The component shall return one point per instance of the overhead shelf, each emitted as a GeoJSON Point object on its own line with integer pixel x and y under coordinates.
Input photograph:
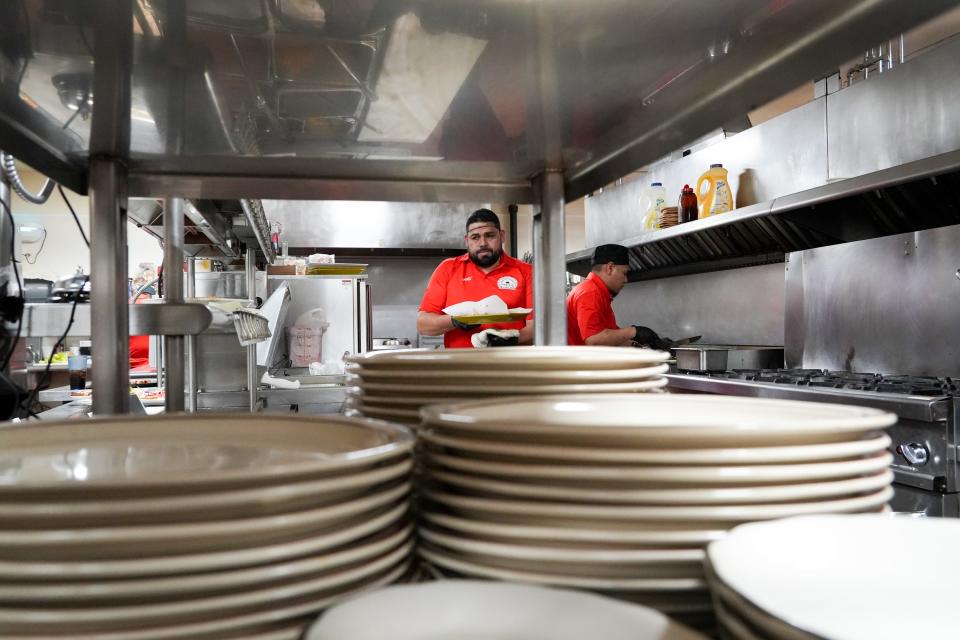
{"type": "Point", "coordinates": [415, 101]}
{"type": "Point", "coordinates": [910, 197]}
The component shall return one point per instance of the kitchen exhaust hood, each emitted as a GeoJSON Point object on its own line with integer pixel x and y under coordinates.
{"type": "Point", "coordinates": [878, 158]}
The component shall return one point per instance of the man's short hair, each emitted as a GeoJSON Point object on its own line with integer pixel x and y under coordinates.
{"type": "Point", "coordinates": [483, 215]}
{"type": "Point", "coordinates": [605, 253]}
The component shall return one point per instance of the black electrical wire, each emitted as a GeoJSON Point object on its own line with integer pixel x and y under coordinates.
{"type": "Point", "coordinates": [16, 274]}
{"type": "Point", "coordinates": [74, 214]}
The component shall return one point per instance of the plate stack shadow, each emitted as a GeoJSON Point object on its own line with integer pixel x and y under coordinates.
{"type": "Point", "coordinates": [620, 494]}
{"type": "Point", "coordinates": [239, 526]}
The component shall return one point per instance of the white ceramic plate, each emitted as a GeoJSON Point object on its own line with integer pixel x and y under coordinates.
{"type": "Point", "coordinates": [236, 503]}
{"type": "Point", "coordinates": [348, 532]}
{"type": "Point", "coordinates": [634, 476]}
{"type": "Point", "coordinates": [191, 537]}
{"type": "Point", "coordinates": [632, 560]}
{"type": "Point", "coordinates": [864, 591]}
{"type": "Point", "coordinates": [401, 399]}
{"type": "Point", "coordinates": [178, 586]}
{"type": "Point", "coordinates": [248, 619]}
{"type": "Point", "coordinates": [71, 620]}
{"type": "Point", "coordinates": [726, 513]}
{"type": "Point", "coordinates": [635, 534]}
{"type": "Point", "coordinates": [700, 496]}
{"type": "Point", "coordinates": [666, 419]}
{"type": "Point", "coordinates": [462, 609]}
{"type": "Point", "coordinates": [499, 376]}
{"type": "Point", "coordinates": [467, 567]}
{"type": "Point", "coordinates": [174, 452]}
{"type": "Point", "coordinates": [719, 455]}
{"type": "Point", "coordinates": [736, 628]}
{"type": "Point", "coordinates": [386, 412]}
{"type": "Point", "coordinates": [511, 389]}
{"type": "Point", "coordinates": [529, 358]}
{"type": "Point", "coordinates": [737, 610]}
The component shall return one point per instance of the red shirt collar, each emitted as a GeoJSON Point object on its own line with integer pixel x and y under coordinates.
{"type": "Point", "coordinates": [599, 284]}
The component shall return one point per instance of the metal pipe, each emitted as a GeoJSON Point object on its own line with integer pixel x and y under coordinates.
{"type": "Point", "coordinates": [191, 346]}
{"type": "Point", "coordinates": [107, 178]}
{"type": "Point", "coordinates": [262, 236]}
{"type": "Point", "coordinates": [536, 242]}
{"type": "Point", "coordinates": [108, 288]}
{"type": "Point", "coordinates": [6, 230]}
{"type": "Point", "coordinates": [512, 213]}
{"type": "Point", "coordinates": [173, 293]}
{"type": "Point", "coordinates": [9, 166]}
{"type": "Point", "coordinates": [252, 378]}
{"type": "Point", "coordinates": [550, 282]}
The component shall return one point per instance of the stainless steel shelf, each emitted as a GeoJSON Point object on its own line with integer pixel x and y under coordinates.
{"type": "Point", "coordinates": [910, 197]}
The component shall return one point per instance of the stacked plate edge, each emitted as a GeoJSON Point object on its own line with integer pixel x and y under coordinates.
{"type": "Point", "coordinates": [835, 577]}
{"type": "Point", "coordinates": [620, 494]}
{"type": "Point", "coordinates": [239, 526]}
{"type": "Point", "coordinates": [394, 385]}
{"type": "Point", "coordinates": [493, 611]}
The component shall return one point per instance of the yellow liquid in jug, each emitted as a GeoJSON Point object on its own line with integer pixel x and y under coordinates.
{"type": "Point", "coordinates": [717, 197]}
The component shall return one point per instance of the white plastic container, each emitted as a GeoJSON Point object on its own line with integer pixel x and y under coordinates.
{"type": "Point", "coordinates": [652, 200]}
{"type": "Point", "coordinates": [306, 338]}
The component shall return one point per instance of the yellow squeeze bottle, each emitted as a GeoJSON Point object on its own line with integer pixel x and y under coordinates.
{"type": "Point", "coordinates": [718, 198]}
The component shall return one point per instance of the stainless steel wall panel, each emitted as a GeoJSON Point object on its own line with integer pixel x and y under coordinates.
{"type": "Point", "coordinates": [358, 224]}
{"type": "Point", "coordinates": [739, 306]}
{"type": "Point", "coordinates": [905, 114]}
{"type": "Point", "coordinates": [763, 163]}
{"type": "Point", "coordinates": [888, 305]}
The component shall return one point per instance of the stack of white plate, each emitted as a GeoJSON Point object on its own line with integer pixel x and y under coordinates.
{"type": "Point", "coordinates": [837, 578]}
{"type": "Point", "coordinates": [491, 611]}
{"type": "Point", "coordinates": [234, 526]}
{"type": "Point", "coordinates": [394, 385]}
{"type": "Point", "coordinates": [621, 493]}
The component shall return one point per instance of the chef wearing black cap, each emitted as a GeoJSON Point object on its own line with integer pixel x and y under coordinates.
{"type": "Point", "coordinates": [590, 318]}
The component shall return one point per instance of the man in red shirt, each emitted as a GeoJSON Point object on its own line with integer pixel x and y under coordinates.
{"type": "Point", "coordinates": [590, 318]}
{"type": "Point", "coordinates": [481, 272]}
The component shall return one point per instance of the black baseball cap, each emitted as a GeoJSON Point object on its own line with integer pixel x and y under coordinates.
{"type": "Point", "coordinates": [615, 253]}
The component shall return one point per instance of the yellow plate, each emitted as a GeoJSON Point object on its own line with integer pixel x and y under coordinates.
{"type": "Point", "coordinates": [491, 317]}
{"type": "Point", "coordinates": [335, 269]}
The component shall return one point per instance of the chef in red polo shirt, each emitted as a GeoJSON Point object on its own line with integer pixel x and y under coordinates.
{"type": "Point", "coordinates": [483, 271]}
{"type": "Point", "coordinates": [590, 318]}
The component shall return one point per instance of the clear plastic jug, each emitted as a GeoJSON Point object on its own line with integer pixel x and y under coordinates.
{"type": "Point", "coordinates": [652, 200]}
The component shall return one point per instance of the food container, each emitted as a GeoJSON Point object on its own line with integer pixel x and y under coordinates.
{"type": "Point", "coordinates": [727, 357]}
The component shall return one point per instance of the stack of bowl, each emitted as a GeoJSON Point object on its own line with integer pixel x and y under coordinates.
{"type": "Point", "coordinates": [394, 385]}
{"type": "Point", "coordinates": [196, 526]}
{"type": "Point", "coordinates": [836, 577]}
{"type": "Point", "coordinates": [621, 493]}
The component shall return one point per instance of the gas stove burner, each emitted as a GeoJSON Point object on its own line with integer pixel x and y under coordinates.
{"type": "Point", "coordinates": [851, 380]}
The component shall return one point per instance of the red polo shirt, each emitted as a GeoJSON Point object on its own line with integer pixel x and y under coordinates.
{"type": "Point", "coordinates": [459, 280]}
{"type": "Point", "coordinates": [589, 310]}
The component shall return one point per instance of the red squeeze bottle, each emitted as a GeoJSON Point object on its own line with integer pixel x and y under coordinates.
{"type": "Point", "coordinates": [687, 207]}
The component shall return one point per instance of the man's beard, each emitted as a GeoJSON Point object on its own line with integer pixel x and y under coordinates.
{"type": "Point", "coordinates": [486, 261]}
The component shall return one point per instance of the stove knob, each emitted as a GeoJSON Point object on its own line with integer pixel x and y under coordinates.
{"type": "Point", "coordinates": [915, 453]}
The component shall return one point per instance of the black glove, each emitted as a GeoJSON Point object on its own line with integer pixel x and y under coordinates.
{"type": "Point", "coordinates": [493, 340]}
{"type": "Point", "coordinates": [647, 337]}
{"type": "Point", "coordinates": [463, 325]}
